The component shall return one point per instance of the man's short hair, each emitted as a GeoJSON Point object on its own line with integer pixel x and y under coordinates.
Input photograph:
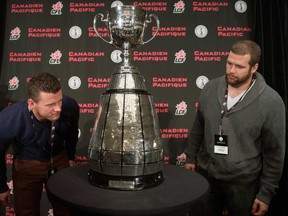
{"type": "Point", "coordinates": [42, 82]}
{"type": "Point", "coordinates": [244, 47]}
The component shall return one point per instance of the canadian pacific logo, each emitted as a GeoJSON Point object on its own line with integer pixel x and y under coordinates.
{"type": "Point", "coordinates": [209, 56]}
{"type": "Point", "coordinates": [98, 82]}
{"type": "Point", "coordinates": [161, 107]}
{"type": "Point", "coordinates": [27, 8]}
{"type": "Point", "coordinates": [81, 159]}
{"type": "Point", "coordinates": [152, 6]}
{"type": "Point", "coordinates": [232, 31]}
{"type": "Point", "coordinates": [169, 82]}
{"type": "Point", "coordinates": [103, 32]}
{"type": "Point", "coordinates": [181, 108]}
{"type": "Point", "coordinates": [174, 133]}
{"type": "Point", "coordinates": [166, 159]}
{"type": "Point", "coordinates": [240, 6]}
{"type": "Point", "coordinates": [56, 8]}
{"type": "Point", "coordinates": [15, 34]}
{"type": "Point", "coordinates": [170, 31]}
{"type": "Point", "coordinates": [180, 57]}
{"type": "Point", "coordinates": [9, 211]}
{"type": "Point", "coordinates": [209, 6]}
{"type": "Point", "coordinates": [55, 57]}
{"type": "Point", "coordinates": [81, 7]}
{"type": "Point", "coordinates": [179, 7]}
{"type": "Point", "coordinates": [150, 56]}
{"type": "Point", "coordinates": [13, 83]}
{"type": "Point", "coordinates": [88, 108]}
{"type": "Point", "coordinates": [9, 157]}
{"type": "Point", "coordinates": [44, 32]}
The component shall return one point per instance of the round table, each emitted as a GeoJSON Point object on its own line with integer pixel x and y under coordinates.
{"type": "Point", "coordinates": [180, 190]}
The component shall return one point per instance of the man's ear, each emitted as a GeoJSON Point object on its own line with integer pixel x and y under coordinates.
{"type": "Point", "coordinates": [254, 68]}
{"type": "Point", "coordinates": [31, 103]}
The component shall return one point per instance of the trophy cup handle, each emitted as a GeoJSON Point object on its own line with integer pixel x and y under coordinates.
{"type": "Point", "coordinates": [158, 25]}
{"type": "Point", "coordinates": [95, 26]}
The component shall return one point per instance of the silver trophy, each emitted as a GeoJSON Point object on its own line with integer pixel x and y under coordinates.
{"type": "Point", "coordinates": [126, 150]}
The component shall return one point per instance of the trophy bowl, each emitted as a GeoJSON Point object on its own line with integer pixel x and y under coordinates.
{"type": "Point", "coordinates": [126, 26]}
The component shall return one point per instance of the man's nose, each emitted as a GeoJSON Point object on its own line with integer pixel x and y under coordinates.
{"type": "Point", "coordinates": [58, 107]}
{"type": "Point", "coordinates": [232, 68]}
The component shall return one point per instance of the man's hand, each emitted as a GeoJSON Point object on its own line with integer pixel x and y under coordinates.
{"type": "Point", "coordinates": [259, 208]}
{"type": "Point", "coordinates": [190, 166]}
{"type": "Point", "coordinates": [5, 198]}
{"type": "Point", "coordinates": [71, 163]}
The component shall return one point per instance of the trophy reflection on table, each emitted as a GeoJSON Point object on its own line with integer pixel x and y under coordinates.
{"type": "Point", "coordinates": [126, 149]}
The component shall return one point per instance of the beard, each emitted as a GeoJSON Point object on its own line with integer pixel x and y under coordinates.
{"type": "Point", "coordinates": [236, 82]}
{"type": "Point", "coordinates": [54, 117]}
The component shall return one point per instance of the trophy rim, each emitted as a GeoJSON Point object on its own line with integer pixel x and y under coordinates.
{"type": "Point", "coordinates": [118, 7]}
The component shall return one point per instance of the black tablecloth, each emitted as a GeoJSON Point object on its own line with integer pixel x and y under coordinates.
{"type": "Point", "coordinates": [180, 189]}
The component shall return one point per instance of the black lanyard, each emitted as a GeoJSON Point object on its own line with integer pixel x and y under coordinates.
{"type": "Point", "coordinates": [52, 142]}
{"type": "Point", "coordinates": [52, 135]}
{"type": "Point", "coordinates": [224, 110]}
